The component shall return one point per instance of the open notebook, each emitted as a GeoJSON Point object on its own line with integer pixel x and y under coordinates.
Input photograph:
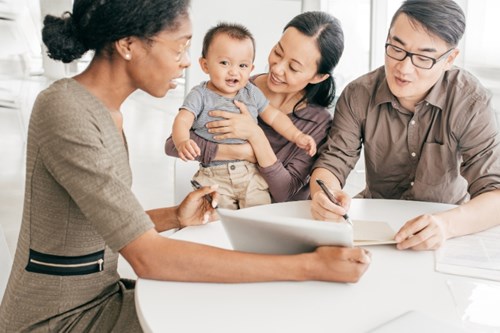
{"type": "Point", "coordinates": [275, 230]}
{"type": "Point", "coordinates": [372, 233]}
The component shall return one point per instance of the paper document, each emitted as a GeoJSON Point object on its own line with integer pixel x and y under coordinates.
{"type": "Point", "coordinates": [372, 233]}
{"type": "Point", "coordinates": [476, 255]}
{"type": "Point", "coordinates": [477, 304]}
{"type": "Point", "coordinates": [417, 322]}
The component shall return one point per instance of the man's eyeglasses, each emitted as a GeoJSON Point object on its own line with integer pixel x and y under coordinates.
{"type": "Point", "coordinates": [417, 60]}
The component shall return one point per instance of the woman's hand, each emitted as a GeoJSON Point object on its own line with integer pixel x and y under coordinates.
{"type": "Point", "coordinates": [235, 125]}
{"type": "Point", "coordinates": [425, 232]}
{"type": "Point", "coordinates": [195, 208]}
{"type": "Point", "coordinates": [241, 126]}
{"type": "Point", "coordinates": [243, 152]}
{"type": "Point", "coordinates": [342, 264]}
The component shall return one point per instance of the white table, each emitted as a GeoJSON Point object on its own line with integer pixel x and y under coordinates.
{"type": "Point", "coordinates": [396, 282]}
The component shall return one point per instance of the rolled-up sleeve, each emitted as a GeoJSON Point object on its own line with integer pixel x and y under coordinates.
{"type": "Point", "coordinates": [479, 146]}
{"type": "Point", "coordinates": [285, 182]}
{"type": "Point", "coordinates": [288, 177]}
{"type": "Point", "coordinates": [208, 148]}
{"type": "Point", "coordinates": [343, 147]}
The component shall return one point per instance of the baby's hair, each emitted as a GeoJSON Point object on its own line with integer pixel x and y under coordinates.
{"type": "Point", "coordinates": [233, 30]}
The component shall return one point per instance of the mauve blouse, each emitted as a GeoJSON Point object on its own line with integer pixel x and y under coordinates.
{"type": "Point", "coordinates": [288, 177]}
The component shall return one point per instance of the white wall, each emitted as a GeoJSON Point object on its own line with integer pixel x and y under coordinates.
{"type": "Point", "coordinates": [264, 18]}
{"type": "Point", "coordinates": [56, 69]}
{"type": "Point", "coordinates": [19, 36]}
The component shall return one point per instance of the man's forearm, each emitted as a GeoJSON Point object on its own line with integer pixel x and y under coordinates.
{"type": "Point", "coordinates": [327, 177]}
{"type": "Point", "coordinates": [478, 214]}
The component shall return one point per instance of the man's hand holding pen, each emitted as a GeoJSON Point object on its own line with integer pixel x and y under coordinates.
{"type": "Point", "coordinates": [330, 205]}
{"type": "Point", "coordinates": [332, 199]}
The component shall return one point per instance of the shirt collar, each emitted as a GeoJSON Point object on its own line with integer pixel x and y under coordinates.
{"type": "Point", "coordinates": [383, 94]}
{"type": "Point", "coordinates": [435, 96]}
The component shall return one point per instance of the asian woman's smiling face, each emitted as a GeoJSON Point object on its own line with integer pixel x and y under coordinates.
{"type": "Point", "coordinates": [293, 62]}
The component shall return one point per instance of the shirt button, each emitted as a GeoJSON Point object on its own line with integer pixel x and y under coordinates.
{"type": "Point", "coordinates": [412, 122]}
{"type": "Point", "coordinates": [413, 154]}
{"type": "Point", "coordinates": [232, 167]}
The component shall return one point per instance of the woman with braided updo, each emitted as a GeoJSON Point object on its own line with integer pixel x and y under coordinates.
{"type": "Point", "coordinates": [79, 210]}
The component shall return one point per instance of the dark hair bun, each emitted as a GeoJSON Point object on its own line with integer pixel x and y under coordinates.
{"type": "Point", "coordinates": [60, 37]}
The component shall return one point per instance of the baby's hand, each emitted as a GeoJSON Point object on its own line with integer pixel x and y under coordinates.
{"type": "Point", "coordinates": [188, 150]}
{"type": "Point", "coordinates": [307, 143]}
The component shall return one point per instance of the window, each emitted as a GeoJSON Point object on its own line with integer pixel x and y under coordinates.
{"type": "Point", "coordinates": [366, 31]}
{"type": "Point", "coordinates": [355, 60]}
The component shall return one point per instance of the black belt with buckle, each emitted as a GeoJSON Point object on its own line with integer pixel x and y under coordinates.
{"type": "Point", "coordinates": [65, 265]}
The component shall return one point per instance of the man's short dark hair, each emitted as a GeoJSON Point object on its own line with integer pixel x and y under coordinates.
{"type": "Point", "coordinates": [443, 18]}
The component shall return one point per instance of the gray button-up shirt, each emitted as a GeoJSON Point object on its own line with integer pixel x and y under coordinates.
{"type": "Point", "coordinates": [444, 151]}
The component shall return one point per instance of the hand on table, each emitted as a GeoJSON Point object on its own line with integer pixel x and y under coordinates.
{"type": "Point", "coordinates": [425, 232]}
{"type": "Point", "coordinates": [341, 264]}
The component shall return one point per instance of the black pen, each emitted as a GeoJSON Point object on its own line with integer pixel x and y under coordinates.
{"type": "Point", "coordinates": [208, 197]}
{"type": "Point", "coordinates": [332, 198]}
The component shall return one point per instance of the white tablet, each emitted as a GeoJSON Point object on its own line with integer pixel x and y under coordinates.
{"type": "Point", "coordinates": [281, 232]}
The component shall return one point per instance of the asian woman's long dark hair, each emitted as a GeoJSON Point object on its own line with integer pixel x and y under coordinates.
{"type": "Point", "coordinates": [326, 30]}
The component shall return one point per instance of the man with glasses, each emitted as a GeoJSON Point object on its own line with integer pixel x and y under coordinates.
{"type": "Point", "coordinates": [427, 127]}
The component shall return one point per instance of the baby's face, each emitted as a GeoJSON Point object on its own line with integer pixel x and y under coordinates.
{"type": "Point", "coordinates": [229, 62]}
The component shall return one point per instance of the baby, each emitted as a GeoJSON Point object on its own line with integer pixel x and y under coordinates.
{"type": "Point", "coordinates": [227, 57]}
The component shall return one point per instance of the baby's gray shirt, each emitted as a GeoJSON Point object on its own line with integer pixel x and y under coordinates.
{"type": "Point", "coordinates": [201, 100]}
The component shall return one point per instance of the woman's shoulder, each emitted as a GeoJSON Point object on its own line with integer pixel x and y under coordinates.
{"type": "Point", "coordinates": [65, 92]}
{"type": "Point", "coordinates": [62, 101]}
